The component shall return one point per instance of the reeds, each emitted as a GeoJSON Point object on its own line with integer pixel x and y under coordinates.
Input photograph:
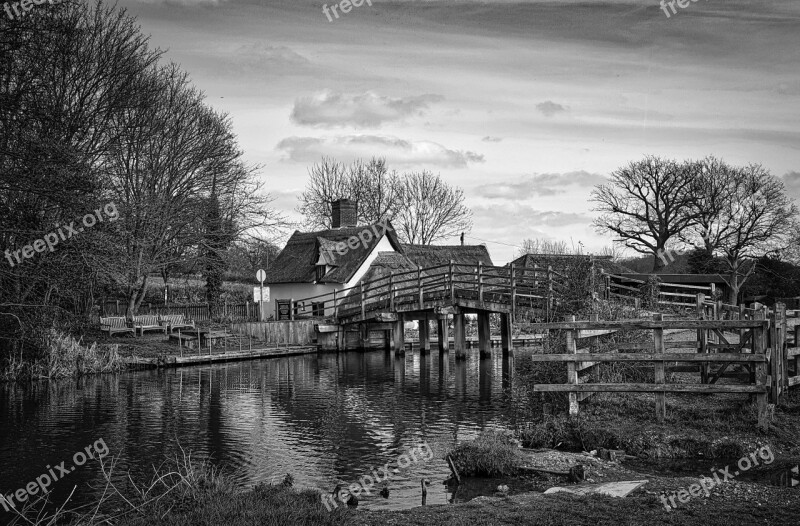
{"type": "Point", "coordinates": [63, 356]}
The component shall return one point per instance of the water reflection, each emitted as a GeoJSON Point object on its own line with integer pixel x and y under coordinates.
{"type": "Point", "coordinates": [321, 418]}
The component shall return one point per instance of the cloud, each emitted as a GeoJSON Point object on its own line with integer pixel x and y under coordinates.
{"type": "Point", "coordinates": [489, 138]}
{"type": "Point", "coordinates": [397, 151]}
{"type": "Point", "coordinates": [792, 182]}
{"type": "Point", "coordinates": [550, 108]}
{"type": "Point", "coordinates": [789, 88]}
{"type": "Point", "coordinates": [532, 216]}
{"type": "Point", "coordinates": [329, 109]}
{"type": "Point", "coordinates": [547, 184]}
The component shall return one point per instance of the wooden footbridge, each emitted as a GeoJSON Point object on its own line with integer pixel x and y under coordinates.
{"type": "Point", "coordinates": [434, 294]}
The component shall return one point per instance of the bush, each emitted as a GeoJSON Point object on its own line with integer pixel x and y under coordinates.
{"type": "Point", "coordinates": [492, 454]}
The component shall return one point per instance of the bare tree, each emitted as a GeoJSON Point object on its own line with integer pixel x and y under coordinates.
{"type": "Point", "coordinates": [543, 246]}
{"type": "Point", "coordinates": [712, 190]}
{"type": "Point", "coordinates": [754, 217]}
{"type": "Point", "coordinates": [369, 183]}
{"type": "Point", "coordinates": [181, 186]}
{"type": "Point", "coordinates": [430, 210]}
{"type": "Point", "coordinates": [647, 204]}
{"type": "Point", "coordinates": [66, 74]}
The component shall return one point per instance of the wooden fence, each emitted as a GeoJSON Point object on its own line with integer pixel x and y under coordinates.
{"type": "Point", "coordinates": [756, 341]}
{"type": "Point", "coordinates": [674, 294]}
{"type": "Point", "coordinates": [783, 335]}
{"type": "Point", "coordinates": [196, 311]}
{"type": "Point", "coordinates": [294, 332]}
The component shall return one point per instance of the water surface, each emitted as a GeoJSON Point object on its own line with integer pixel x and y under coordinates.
{"type": "Point", "coordinates": [321, 418]}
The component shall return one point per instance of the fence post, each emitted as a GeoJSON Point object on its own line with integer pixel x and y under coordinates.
{"type": "Point", "coordinates": [513, 296]}
{"type": "Point", "coordinates": [452, 283]}
{"type": "Point", "coordinates": [335, 306]}
{"type": "Point", "coordinates": [606, 284]}
{"type": "Point", "coordinates": [701, 337]}
{"type": "Point", "coordinates": [661, 397]}
{"type": "Point", "coordinates": [572, 369]}
{"type": "Point", "coordinates": [549, 291]}
{"type": "Point", "coordinates": [759, 347]}
{"type": "Point", "coordinates": [363, 308]}
{"type": "Point", "coordinates": [780, 308]}
{"type": "Point", "coordinates": [419, 286]}
{"type": "Point", "coordinates": [480, 281]}
{"type": "Point", "coordinates": [776, 358]}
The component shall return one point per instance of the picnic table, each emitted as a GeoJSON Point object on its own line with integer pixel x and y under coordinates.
{"type": "Point", "coordinates": [205, 336]}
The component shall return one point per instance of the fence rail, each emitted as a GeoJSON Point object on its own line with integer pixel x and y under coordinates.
{"type": "Point", "coordinates": [674, 294]}
{"type": "Point", "coordinates": [512, 286]}
{"type": "Point", "coordinates": [196, 311]}
{"type": "Point", "coordinates": [763, 358]}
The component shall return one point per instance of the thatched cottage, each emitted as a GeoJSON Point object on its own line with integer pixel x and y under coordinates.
{"type": "Point", "coordinates": [315, 263]}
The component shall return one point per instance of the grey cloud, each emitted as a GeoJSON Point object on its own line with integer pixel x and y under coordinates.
{"type": "Point", "coordinates": [792, 182]}
{"type": "Point", "coordinates": [367, 110]}
{"type": "Point", "coordinates": [550, 108]}
{"type": "Point", "coordinates": [397, 151]}
{"type": "Point", "coordinates": [547, 184]}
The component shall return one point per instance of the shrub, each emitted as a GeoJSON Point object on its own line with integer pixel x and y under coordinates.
{"type": "Point", "coordinates": [492, 454]}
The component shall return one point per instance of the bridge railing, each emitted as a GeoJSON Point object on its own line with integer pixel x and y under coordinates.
{"type": "Point", "coordinates": [527, 286]}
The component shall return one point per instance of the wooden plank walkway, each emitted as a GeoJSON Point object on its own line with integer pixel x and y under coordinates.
{"type": "Point", "coordinates": [230, 356]}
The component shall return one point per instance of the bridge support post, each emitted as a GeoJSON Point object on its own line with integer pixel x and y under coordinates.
{"type": "Point", "coordinates": [505, 334]}
{"type": "Point", "coordinates": [443, 334]}
{"type": "Point", "coordinates": [424, 336]}
{"type": "Point", "coordinates": [363, 336]}
{"type": "Point", "coordinates": [459, 336]}
{"type": "Point", "coordinates": [398, 336]}
{"type": "Point", "coordinates": [484, 335]}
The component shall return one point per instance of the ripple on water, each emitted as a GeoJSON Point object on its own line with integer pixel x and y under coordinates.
{"type": "Point", "coordinates": [321, 418]}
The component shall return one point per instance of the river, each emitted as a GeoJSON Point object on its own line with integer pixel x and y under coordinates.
{"type": "Point", "coordinates": [322, 418]}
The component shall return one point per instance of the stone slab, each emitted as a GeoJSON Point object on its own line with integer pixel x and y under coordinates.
{"type": "Point", "coordinates": [612, 489]}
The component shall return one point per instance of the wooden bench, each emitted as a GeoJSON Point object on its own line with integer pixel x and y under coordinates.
{"type": "Point", "coordinates": [115, 324]}
{"type": "Point", "coordinates": [176, 321]}
{"type": "Point", "coordinates": [148, 323]}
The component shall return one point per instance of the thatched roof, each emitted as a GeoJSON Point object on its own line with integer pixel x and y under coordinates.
{"type": "Point", "coordinates": [387, 263]}
{"type": "Point", "coordinates": [298, 260]}
{"type": "Point", "coordinates": [561, 261]}
{"type": "Point", "coordinates": [433, 255]}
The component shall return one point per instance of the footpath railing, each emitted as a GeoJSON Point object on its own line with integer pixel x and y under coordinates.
{"type": "Point", "coordinates": [655, 352]}
{"type": "Point", "coordinates": [532, 287]}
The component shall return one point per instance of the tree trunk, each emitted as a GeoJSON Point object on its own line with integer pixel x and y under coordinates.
{"type": "Point", "coordinates": [734, 285]}
{"type": "Point", "coordinates": [658, 262]}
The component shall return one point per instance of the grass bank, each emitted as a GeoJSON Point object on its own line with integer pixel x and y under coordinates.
{"type": "Point", "coordinates": [60, 355]}
{"type": "Point", "coordinates": [719, 426]}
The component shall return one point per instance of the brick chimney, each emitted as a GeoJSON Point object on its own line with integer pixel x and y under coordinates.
{"type": "Point", "coordinates": [344, 213]}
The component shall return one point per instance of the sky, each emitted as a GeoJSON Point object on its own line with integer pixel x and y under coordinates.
{"type": "Point", "coordinates": [524, 105]}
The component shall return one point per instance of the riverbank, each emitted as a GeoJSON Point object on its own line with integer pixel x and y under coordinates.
{"type": "Point", "coordinates": [732, 503]}
{"type": "Point", "coordinates": [699, 427]}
